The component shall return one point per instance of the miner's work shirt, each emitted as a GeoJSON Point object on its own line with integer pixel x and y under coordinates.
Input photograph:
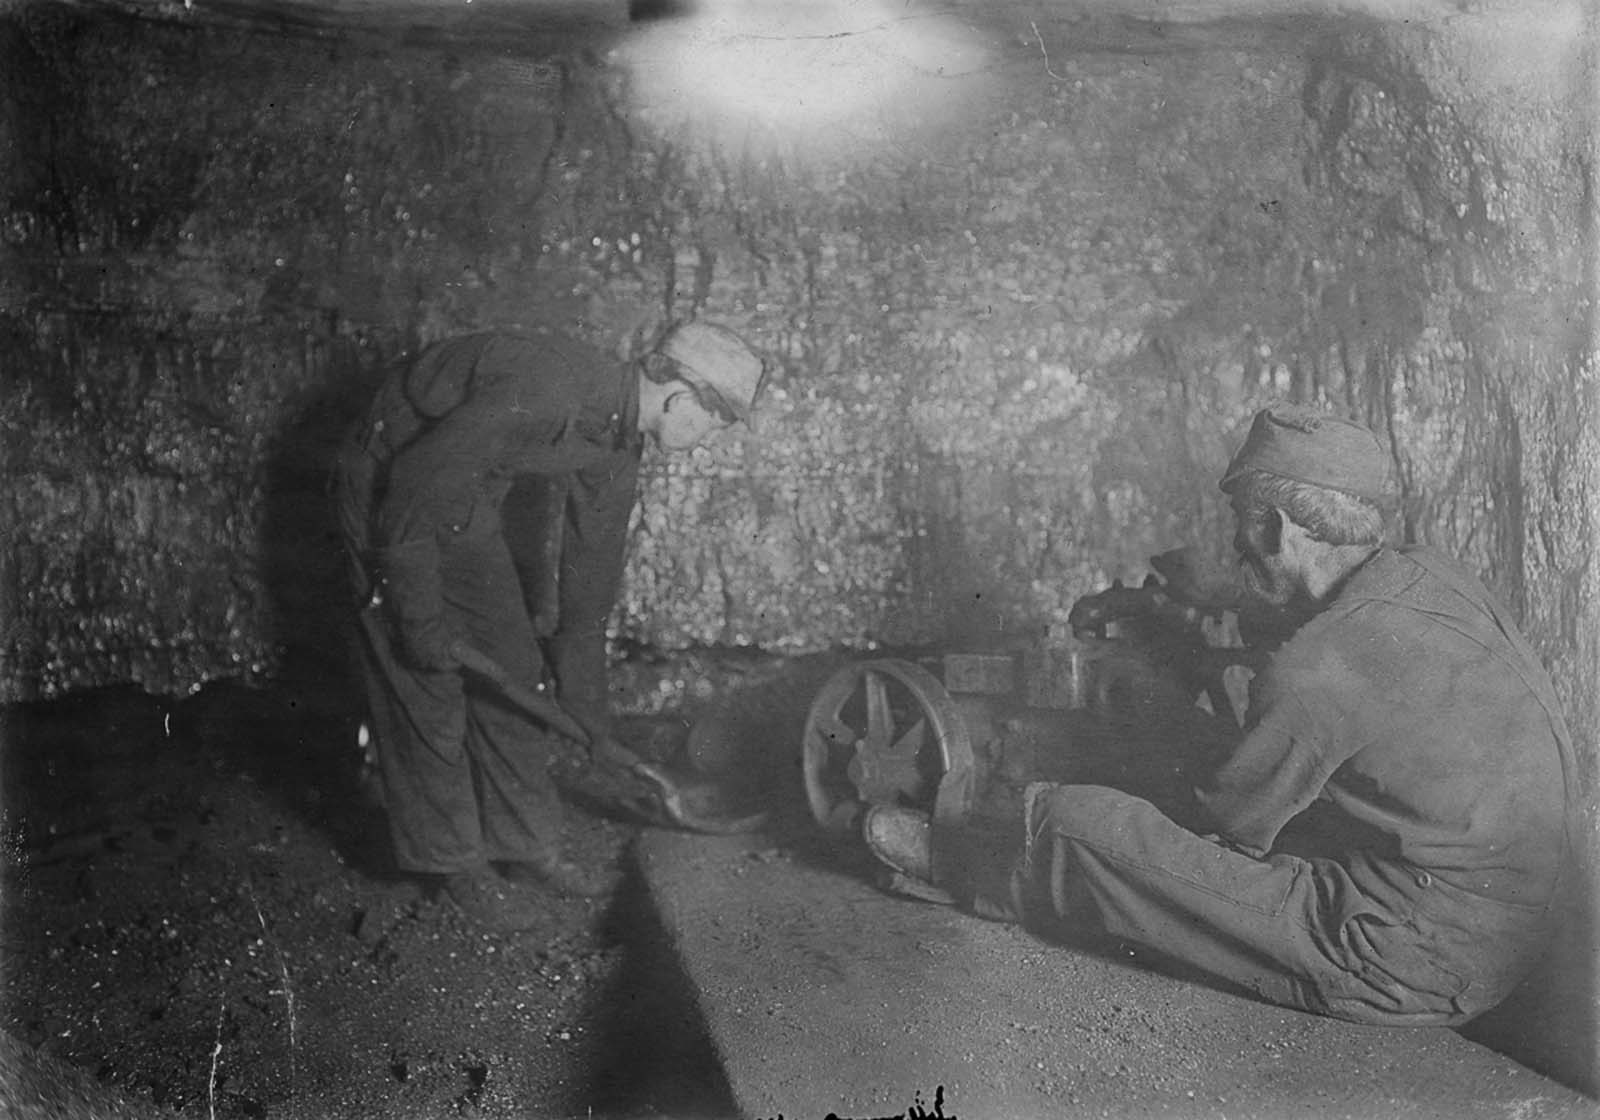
{"type": "Point", "coordinates": [473, 416]}
{"type": "Point", "coordinates": [493, 407]}
{"type": "Point", "coordinates": [1411, 712]}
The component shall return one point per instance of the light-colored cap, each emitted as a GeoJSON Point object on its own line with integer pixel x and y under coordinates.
{"type": "Point", "coordinates": [718, 362]}
{"type": "Point", "coordinates": [1316, 448]}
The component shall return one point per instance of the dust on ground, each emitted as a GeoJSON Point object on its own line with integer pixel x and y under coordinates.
{"type": "Point", "coordinates": [201, 919]}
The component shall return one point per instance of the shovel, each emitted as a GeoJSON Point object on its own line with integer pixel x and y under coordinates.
{"type": "Point", "coordinates": [687, 804]}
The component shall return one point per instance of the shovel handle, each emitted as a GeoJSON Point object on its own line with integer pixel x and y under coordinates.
{"type": "Point", "coordinates": [536, 704]}
{"type": "Point", "coordinates": [547, 711]}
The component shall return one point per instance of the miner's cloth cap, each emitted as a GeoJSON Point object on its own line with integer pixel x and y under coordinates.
{"type": "Point", "coordinates": [715, 358]}
{"type": "Point", "coordinates": [1319, 449]}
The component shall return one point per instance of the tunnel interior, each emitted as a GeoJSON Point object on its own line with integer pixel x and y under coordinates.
{"type": "Point", "coordinates": [1022, 274]}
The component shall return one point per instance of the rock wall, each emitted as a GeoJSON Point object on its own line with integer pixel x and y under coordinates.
{"type": "Point", "coordinates": [1511, 462]}
{"type": "Point", "coordinates": [1010, 354]}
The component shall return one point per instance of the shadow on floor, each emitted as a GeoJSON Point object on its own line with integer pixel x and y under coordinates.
{"type": "Point", "coordinates": [655, 1057]}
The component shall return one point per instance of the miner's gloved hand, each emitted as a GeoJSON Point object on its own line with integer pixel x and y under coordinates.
{"type": "Point", "coordinates": [607, 751]}
{"type": "Point", "coordinates": [1196, 579]}
{"type": "Point", "coordinates": [604, 747]}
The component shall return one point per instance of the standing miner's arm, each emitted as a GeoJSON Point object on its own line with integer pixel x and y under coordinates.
{"type": "Point", "coordinates": [593, 552]}
{"type": "Point", "coordinates": [535, 516]}
{"type": "Point", "coordinates": [722, 378]}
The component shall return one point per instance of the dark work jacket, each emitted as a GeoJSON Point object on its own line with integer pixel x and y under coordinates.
{"type": "Point", "coordinates": [1414, 721]}
{"type": "Point", "coordinates": [449, 436]}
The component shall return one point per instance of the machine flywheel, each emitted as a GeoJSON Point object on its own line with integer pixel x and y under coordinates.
{"type": "Point", "coordinates": [885, 732]}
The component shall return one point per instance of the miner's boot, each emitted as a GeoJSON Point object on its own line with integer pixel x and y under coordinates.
{"type": "Point", "coordinates": [492, 903]}
{"type": "Point", "coordinates": [552, 872]}
{"type": "Point", "coordinates": [902, 840]}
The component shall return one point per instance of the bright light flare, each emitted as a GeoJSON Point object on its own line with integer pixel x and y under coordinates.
{"type": "Point", "coordinates": [805, 73]}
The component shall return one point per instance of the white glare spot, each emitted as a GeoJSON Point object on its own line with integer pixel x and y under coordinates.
{"type": "Point", "coordinates": [800, 72]}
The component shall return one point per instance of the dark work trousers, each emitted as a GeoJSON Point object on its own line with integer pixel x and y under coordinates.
{"type": "Point", "coordinates": [1363, 939]}
{"type": "Point", "coordinates": [465, 774]}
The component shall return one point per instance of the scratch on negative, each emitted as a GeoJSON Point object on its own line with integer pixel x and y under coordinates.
{"type": "Point", "coordinates": [1035, 25]}
{"type": "Point", "coordinates": [216, 1058]}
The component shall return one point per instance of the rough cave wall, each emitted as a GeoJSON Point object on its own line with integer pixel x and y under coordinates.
{"type": "Point", "coordinates": [1008, 361]}
{"type": "Point", "coordinates": [1010, 358]}
{"type": "Point", "coordinates": [1505, 467]}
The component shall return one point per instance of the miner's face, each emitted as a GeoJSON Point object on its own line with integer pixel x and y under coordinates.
{"type": "Point", "coordinates": [685, 422]}
{"type": "Point", "coordinates": [1269, 571]}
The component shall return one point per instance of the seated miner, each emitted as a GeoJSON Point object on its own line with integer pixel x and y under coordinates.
{"type": "Point", "coordinates": [1384, 841]}
{"type": "Point", "coordinates": [485, 501]}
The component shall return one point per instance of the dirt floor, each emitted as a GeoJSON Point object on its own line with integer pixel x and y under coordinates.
{"type": "Point", "coordinates": [201, 920]}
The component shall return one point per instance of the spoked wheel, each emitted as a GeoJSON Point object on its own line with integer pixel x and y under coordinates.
{"type": "Point", "coordinates": [885, 732]}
